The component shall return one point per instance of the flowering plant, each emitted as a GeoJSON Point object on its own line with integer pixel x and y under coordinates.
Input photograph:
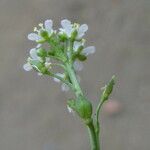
{"type": "Point", "coordinates": [66, 50]}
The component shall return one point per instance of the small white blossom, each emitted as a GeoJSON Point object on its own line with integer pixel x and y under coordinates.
{"type": "Point", "coordinates": [88, 50]}
{"type": "Point", "coordinates": [66, 27]}
{"type": "Point", "coordinates": [34, 37]}
{"type": "Point", "coordinates": [78, 65]}
{"type": "Point", "coordinates": [76, 45]}
{"type": "Point", "coordinates": [81, 30]}
{"type": "Point", "coordinates": [27, 67]}
{"type": "Point", "coordinates": [47, 27]}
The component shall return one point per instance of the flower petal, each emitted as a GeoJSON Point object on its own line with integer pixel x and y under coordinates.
{"type": "Point", "coordinates": [67, 26]}
{"type": "Point", "coordinates": [64, 87]}
{"type": "Point", "coordinates": [78, 66]}
{"type": "Point", "coordinates": [89, 50]}
{"type": "Point", "coordinates": [38, 46]}
{"type": "Point", "coordinates": [34, 37]}
{"type": "Point", "coordinates": [27, 67]}
{"type": "Point", "coordinates": [48, 25]}
{"type": "Point", "coordinates": [76, 45]}
{"type": "Point", "coordinates": [82, 29]}
{"type": "Point", "coordinates": [33, 54]}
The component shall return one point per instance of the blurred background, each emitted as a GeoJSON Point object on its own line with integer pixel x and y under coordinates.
{"type": "Point", "coordinates": [33, 114]}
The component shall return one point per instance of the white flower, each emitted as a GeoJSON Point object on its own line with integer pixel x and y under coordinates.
{"type": "Point", "coordinates": [27, 66]}
{"type": "Point", "coordinates": [34, 37]}
{"type": "Point", "coordinates": [81, 30]}
{"type": "Point", "coordinates": [78, 65]}
{"type": "Point", "coordinates": [76, 45]}
{"type": "Point", "coordinates": [69, 28]}
{"type": "Point", "coordinates": [46, 27]}
{"type": "Point", "coordinates": [88, 50]}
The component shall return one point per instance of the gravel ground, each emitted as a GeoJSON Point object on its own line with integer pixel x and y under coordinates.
{"type": "Point", "coordinates": [33, 114]}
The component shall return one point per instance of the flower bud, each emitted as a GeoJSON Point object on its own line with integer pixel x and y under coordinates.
{"type": "Point", "coordinates": [82, 57]}
{"type": "Point", "coordinates": [74, 35]}
{"type": "Point", "coordinates": [62, 36]}
{"type": "Point", "coordinates": [44, 34]}
{"type": "Point", "coordinates": [41, 52]}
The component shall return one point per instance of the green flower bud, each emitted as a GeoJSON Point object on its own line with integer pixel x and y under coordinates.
{"type": "Point", "coordinates": [62, 37]}
{"type": "Point", "coordinates": [74, 35]}
{"type": "Point", "coordinates": [81, 106]}
{"type": "Point", "coordinates": [81, 57]}
{"type": "Point", "coordinates": [41, 52]}
{"type": "Point", "coordinates": [108, 89]}
{"type": "Point", "coordinates": [44, 34]}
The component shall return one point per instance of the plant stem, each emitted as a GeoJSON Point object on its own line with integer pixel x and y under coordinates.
{"type": "Point", "coordinates": [74, 80]}
{"type": "Point", "coordinates": [92, 135]}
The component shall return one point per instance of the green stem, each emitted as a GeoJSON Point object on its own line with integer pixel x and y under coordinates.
{"type": "Point", "coordinates": [74, 80]}
{"type": "Point", "coordinates": [92, 135]}
{"type": "Point", "coordinates": [97, 125]}
{"type": "Point", "coordinates": [94, 141]}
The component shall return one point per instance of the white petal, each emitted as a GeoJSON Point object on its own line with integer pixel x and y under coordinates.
{"type": "Point", "coordinates": [34, 37]}
{"type": "Point", "coordinates": [65, 23]}
{"type": "Point", "coordinates": [89, 50]}
{"type": "Point", "coordinates": [67, 26]}
{"type": "Point", "coordinates": [82, 29]}
{"type": "Point", "coordinates": [33, 54]}
{"type": "Point", "coordinates": [64, 87]}
{"type": "Point", "coordinates": [38, 46]}
{"type": "Point", "coordinates": [48, 25]}
{"type": "Point", "coordinates": [78, 66]}
{"type": "Point", "coordinates": [27, 67]}
{"type": "Point", "coordinates": [76, 45]}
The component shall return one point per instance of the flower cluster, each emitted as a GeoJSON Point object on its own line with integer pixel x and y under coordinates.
{"type": "Point", "coordinates": [64, 45]}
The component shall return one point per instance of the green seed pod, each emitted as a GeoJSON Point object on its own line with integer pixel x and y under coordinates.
{"type": "Point", "coordinates": [108, 89]}
{"type": "Point", "coordinates": [81, 106]}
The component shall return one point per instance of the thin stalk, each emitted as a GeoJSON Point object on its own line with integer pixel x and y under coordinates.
{"type": "Point", "coordinates": [92, 135]}
{"type": "Point", "coordinates": [73, 79]}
